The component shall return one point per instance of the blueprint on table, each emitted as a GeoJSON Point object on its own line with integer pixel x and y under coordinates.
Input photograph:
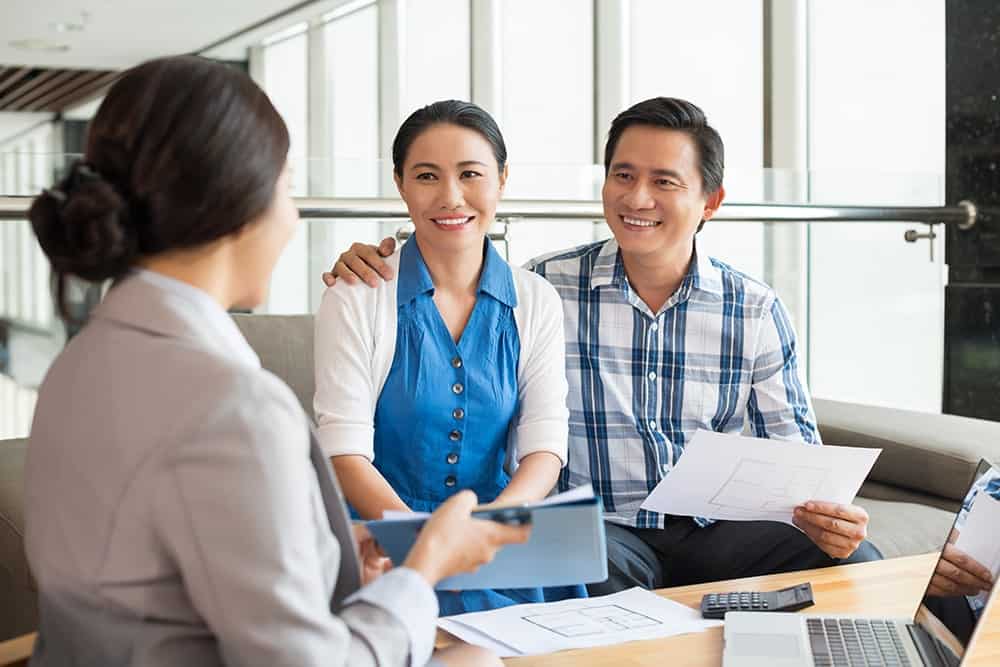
{"type": "Point", "coordinates": [531, 629]}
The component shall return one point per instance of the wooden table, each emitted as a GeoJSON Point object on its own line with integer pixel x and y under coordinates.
{"type": "Point", "coordinates": [886, 588]}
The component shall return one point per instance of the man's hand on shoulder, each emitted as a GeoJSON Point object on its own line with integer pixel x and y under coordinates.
{"type": "Point", "coordinates": [362, 262]}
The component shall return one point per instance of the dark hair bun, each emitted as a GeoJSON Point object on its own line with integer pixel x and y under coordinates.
{"type": "Point", "coordinates": [83, 227]}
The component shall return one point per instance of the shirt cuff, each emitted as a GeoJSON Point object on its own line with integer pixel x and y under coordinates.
{"type": "Point", "coordinates": [408, 597]}
{"type": "Point", "coordinates": [341, 439]}
{"type": "Point", "coordinates": [549, 437]}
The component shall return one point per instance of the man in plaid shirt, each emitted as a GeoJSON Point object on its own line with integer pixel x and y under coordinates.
{"type": "Point", "coordinates": [662, 341]}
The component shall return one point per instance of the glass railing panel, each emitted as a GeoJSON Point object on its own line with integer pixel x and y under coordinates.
{"type": "Point", "coordinates": [876, 302]}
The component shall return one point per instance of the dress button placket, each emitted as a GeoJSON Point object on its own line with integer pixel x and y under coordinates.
{"type": "Point", "coordinates": [458, 414]}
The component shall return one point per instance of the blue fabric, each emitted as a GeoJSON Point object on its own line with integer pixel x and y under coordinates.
{"type": "Point", "coordinates": [442, 418]}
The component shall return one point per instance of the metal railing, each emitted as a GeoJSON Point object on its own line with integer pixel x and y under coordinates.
{"type": "Point", "coordinates": [512, 210]}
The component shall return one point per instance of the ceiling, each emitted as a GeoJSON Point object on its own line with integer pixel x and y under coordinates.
{"type": "Point", "coordinates": [114, 34]}
{"type": "Point", "coordinates": [50, 89]}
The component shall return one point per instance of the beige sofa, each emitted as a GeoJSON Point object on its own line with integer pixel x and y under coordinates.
{"type": "Point", "coordinates": [926, 464]}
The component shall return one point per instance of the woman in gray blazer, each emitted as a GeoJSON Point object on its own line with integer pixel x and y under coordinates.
{"type": "Point", "coordinates": [178, 510]}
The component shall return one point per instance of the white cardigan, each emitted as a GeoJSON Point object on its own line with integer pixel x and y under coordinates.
{"type": "Point", "coordinates": [356, 341]}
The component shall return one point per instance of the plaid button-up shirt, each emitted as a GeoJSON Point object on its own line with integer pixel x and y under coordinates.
{"type": "Point", "coordinates": [719, 354]}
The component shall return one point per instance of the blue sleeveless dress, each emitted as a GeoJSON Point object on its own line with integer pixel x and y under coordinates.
{"type": "Point", "coordinates": [442, 418]}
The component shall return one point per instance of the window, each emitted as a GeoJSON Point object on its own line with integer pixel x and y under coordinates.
{"type": "Point", "coordinates": [285, 76]}
{"type": "Point", "coordinates": [547, 115]}
{"type": "Point", "coordinates": [877, 124]}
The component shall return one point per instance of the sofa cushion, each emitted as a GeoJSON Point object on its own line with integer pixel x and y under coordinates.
{"type": "Point", "coordinates": [880, 491]}
{"type": "Point", "coordinates": [19, 610]}
{"type": "Point", "coordinates": [930, 453]}
{"type": "Point", "coordinates": [284, 344]}
{"type": "Point", "coordinates": [905, 529]}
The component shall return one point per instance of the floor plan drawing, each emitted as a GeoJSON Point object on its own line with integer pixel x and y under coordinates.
{"type": "Point", "coordinates": [768, 486]}
{"type": "Point", "coordinates": [591, 621]}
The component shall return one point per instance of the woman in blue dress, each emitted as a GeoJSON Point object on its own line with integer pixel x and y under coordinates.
{"type": "Point", "coordinates": [450, 376]}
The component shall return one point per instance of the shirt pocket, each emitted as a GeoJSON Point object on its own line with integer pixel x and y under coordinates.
{"type": "Point", "coordinates": [724, 391]}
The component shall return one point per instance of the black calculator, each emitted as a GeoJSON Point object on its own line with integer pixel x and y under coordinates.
{"type": "Point", "coordinates": [715, 605]}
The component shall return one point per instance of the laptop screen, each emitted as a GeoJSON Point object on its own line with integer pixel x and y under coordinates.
{"type": "Point", "coordinates": [969, 563]}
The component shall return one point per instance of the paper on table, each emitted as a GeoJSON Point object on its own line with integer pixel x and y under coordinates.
{"type": "Point", "coordinates": [733, 477]}
{"type": "Point", "coordinates": [574, 494]}
{"type": "Point", "coordinates": [477, 638]}
{"type": "Point", "coordinates": [978, 536]}
{"type": "Point", "coordinates": [531, 629]}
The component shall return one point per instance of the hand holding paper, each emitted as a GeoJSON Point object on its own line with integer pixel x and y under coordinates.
{"type": "Point", "coordinates": [835, 528]}
{"type": "Point", "coordinates": [752, 479]}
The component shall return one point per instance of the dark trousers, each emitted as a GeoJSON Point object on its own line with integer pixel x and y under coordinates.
{"type": "Point", "coordinates": [682, 553]}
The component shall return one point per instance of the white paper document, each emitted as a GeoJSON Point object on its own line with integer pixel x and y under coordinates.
{"type": "Point", "coordinates": [978, 536]}
{"type": "Point", "coordinates": [753, 479]}
{"type": "Point", "coordinates": [532, 629]}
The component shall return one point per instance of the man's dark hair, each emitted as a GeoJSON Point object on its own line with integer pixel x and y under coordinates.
{"type": "Point", "coordinates": [449, 112]}
{"type": "Point", "coordinates": [671, 113]}
{"type": "Point", "coordinates": [182, 151]}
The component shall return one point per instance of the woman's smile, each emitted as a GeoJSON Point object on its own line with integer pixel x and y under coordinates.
{"type": "Point", "coordinates": [452, 222]}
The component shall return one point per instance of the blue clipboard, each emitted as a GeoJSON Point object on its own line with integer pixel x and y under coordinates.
{"type": "Point", "coordinates": [567, 547]}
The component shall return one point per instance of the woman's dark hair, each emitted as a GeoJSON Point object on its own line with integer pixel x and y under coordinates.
{"type": "Point", "coordinates": [674, 114]}
{"type": "Point", "coordinates": [453, 112]}
{"type": "Point", "coordinates": [182, 151]}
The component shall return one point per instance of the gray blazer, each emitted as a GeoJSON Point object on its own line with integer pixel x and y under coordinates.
{"type": "Point", "coordinates": [178, 513]}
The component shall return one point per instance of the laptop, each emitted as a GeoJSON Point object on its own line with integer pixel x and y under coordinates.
{"type": "Point", "coordinates": [938, 635]}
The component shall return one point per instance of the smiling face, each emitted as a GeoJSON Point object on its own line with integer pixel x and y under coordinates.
{"type": "Point", "coordinates": [653, 194]}
{"type": "Point", "coordinates": [451, 184]}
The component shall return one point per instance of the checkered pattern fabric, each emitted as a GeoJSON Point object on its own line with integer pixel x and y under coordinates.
{"type": "Point", "coordinates": [720, 355]}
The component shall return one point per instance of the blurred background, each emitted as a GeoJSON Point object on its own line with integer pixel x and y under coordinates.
{"type": "Point", "coordinates": [819, 102]}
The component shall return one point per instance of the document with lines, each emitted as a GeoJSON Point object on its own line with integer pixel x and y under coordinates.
{"type": "Point", "coordinates": [532, 629]}
{"type": "Point", "coordinates": [737, 478]}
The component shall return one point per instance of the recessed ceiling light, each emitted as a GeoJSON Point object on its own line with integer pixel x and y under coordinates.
{"type": "Point", "coordinates": [66, 26]}
{"type": "Point", "coordinates": [77, 25]}
{"type": "Point", "coordinates": [39, 45]}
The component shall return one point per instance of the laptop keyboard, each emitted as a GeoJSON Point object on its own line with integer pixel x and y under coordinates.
{"type": "Point", "coordinates": [850, 642]}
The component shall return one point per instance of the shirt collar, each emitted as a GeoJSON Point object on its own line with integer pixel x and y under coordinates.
{"type": "Point", "coordinates": [496, 278]}
{"type": "Point", "coordinates": [414, 278]}
{"type": "Point", "coordinates": [608, 269]}
{"type": "Point", "coordinates": [157, 303]}
{"type": "Point", "coordinates": [705, 276]}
